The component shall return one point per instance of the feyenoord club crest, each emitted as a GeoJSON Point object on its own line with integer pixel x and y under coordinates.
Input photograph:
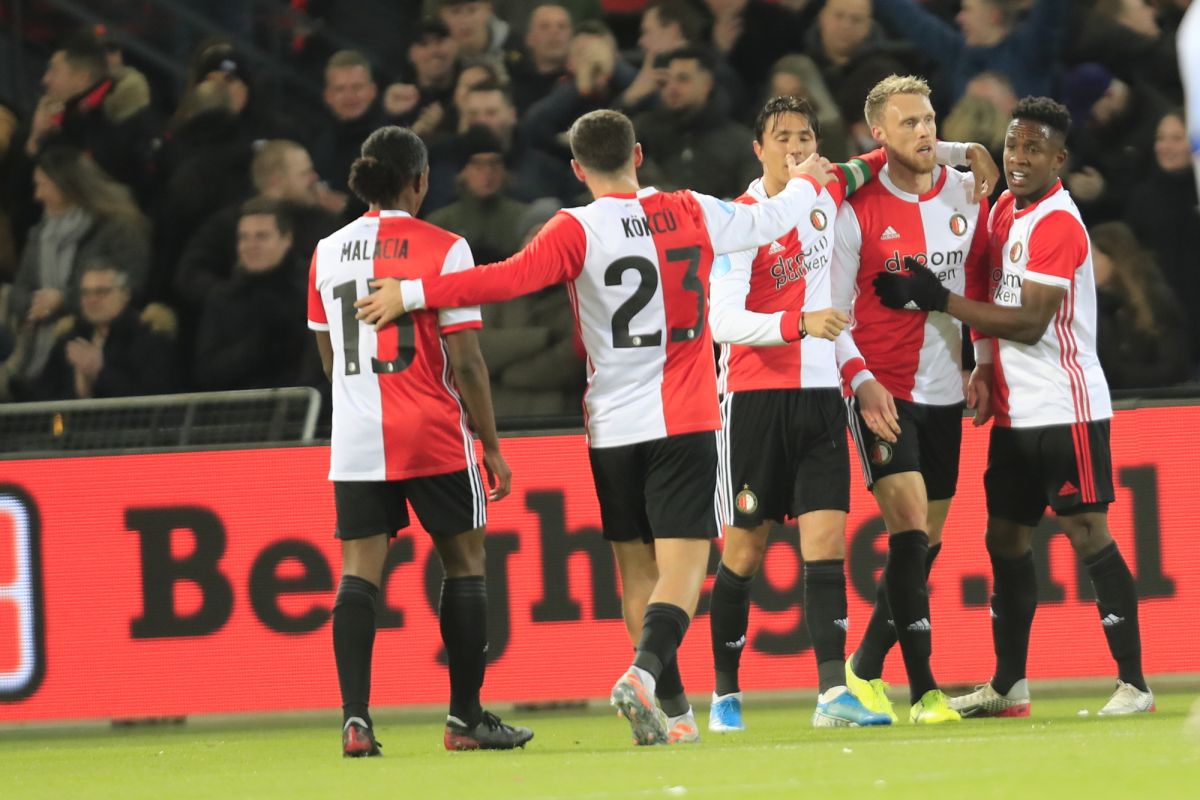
{"type": "Point", "coordinates": [746, 501]}
{"type": "Point", "coordinates": [881, 453]}
{"type": "Point", "coordinates": [1014, 252]}
{"type": "Point", "coordinates": [817, 218]}
{"type": "Point", "coordinates": [958, 225]}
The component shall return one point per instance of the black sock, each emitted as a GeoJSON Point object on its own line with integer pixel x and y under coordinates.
{"type": "Point", "coordinates": [729, 617]}
{"type": "Point", "coordinates": [908, 595]}
{"type": "Point", "coordinates": [1116, 597]}
{"type": "Point", "coordinates": [826, 617]}
{"type": "Point", "coordinates": [1014, 601]}
{"type": "Point", "coordinates": [880, 635]}
{"type": "Point", "coordinates": [663, 628]}
{"type": "Point", "coordinates": [353, 642]}
{"type": "Point", "coordinates": [669, 690]}
{"type": "Point", "coordinates": [463, 613]}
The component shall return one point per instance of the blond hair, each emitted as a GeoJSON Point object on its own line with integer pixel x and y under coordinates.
{"type": "Point", "coordinates": [889, 87]}
{"type": "Point", "coordinates": [270, 160]}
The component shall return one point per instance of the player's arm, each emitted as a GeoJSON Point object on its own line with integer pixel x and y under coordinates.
{"type": "Point", "coordinates": [555, 255]}
{"type": "Point", "coordinates": [471, 378]}
{"type": "Point", "coordinates": [975, 156]}
{"type": "Point", "coordinates": [734, 226]}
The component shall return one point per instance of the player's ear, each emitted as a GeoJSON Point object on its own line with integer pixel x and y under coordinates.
{"type": "Point", "coordinates": [637, 154]}
{"type": "Point", "coordinates": [577, 168]}
{"type": "Point", "coordinates": [758, 150]}
{"type": "Point", "coordinates": [1060, 158]}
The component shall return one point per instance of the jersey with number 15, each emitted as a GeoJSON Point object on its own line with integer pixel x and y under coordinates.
{"type": "Point", "coordinates": [396, 411]}
{"type": "Point", "coordinates": [637, 271]}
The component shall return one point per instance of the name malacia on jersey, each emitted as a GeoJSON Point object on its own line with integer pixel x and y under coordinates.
{"type": "Point", "coordinates": [371, 249]}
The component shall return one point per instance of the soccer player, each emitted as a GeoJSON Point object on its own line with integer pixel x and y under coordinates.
{"type": "Point", "coordinates": [905, 374]}
{"type": "Point", "coordinates": [402, 398]}
{"type": "Point", "coordinates": [783, 447]}
{"type": "Point", "coordinates": [1050, 441]}
{"type": "Point", "coordinates": [637, 264]}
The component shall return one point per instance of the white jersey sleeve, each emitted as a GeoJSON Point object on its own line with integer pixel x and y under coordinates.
{"type": "Point", "coordinates": [735, 226]}
{"type": "Point", "coordinates": [843, 284]}
{"type": "Point", "coordinates": [458, 259]}
{"type": "Point", "coordinates": [731, 322]}
{"type": "Point", "coordinates": [1188, 47]}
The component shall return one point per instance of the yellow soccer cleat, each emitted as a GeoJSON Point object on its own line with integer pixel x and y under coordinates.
{"type": "Point", "coordinates": [871, 693]}
{"type": "Point", "coordinates": [933, 708]}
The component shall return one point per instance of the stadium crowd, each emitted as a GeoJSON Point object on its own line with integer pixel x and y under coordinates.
{"type": "Point", "coordinates": [157, 238]}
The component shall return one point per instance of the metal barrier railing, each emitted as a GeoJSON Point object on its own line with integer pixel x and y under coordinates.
{"type": "Point", "coordinates": [160, 422]}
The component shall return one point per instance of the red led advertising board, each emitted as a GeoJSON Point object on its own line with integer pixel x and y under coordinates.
{"type": "Point", "coordinates": [190, 583]}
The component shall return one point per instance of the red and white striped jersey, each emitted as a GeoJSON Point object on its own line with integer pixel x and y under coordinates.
{"type": "Point", "coordinates": [637, 268]}
{"type": "Point", "coordinates": [758, 295]}
{"type": "Point", "coordinates": [1058, 380]}
{"type": "Point", "coordinates": [917, 356]}
{"type": "Point", "coordinates": [396, 411]}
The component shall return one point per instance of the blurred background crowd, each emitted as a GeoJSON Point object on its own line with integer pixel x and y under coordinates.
{"type": "Point", "coordinates": [166, 167]}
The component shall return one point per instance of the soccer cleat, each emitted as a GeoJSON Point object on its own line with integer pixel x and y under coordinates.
{"type": "Point", "coordinates": [683, 729]}
{"type": "Point", "coordinates": [487, 734]}
{"type": "Point", "coordinates": [987, 702]}
{"type": "Point", "coordinates": [635, 704]}
{"type": "Point", "coordinates": [358, 740]}
{"type": "Point", "coordinates": [871, 693]}
{"type": "Point", "coordinates": [839, 708]}
{"type": "Point", "coordinates": [1128, 699]}
{"type": "Point", "coordinates": [725, 715]}
{"type": "Point", "coordinates": [933, 708]}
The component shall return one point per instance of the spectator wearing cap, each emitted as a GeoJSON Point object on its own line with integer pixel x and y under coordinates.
{"type": "Point", "coordinates": [351, 98]}
{"type": "Point", "coordinates": [482, 215]}
{"type": "Point", "coordinates": [424, 99]}
{"type": "Point", "coordinates": [473, 24]}
{"type": "Point", "coordinates": [990, 38]}
{"type": "Point", "coordinates": [542, 62]}
{"type": "Point", "coordinates": [227, 66]}
{"type": "Point", "coordinates": [1112, 141]}
{"type": "Point", "coordinates": [687, 142]}
{"type": "Point", "coordinates": [72, 112]}
{"type": "Point", "coordinates": [534, 173]}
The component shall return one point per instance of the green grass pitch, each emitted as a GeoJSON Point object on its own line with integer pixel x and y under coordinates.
{"type": "Point", "coordinates": [1054, 754]}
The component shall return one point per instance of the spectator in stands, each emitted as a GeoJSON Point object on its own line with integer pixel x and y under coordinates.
{"type": "Point", "coordinates": [1162, 212]}
{"type": "Point", "coordinates": [598, 77]}
{"type": "Point", "coordinates": [844, 37]}
{"type": "Point", "coordinates": [475, 27]}
{"type": "Point", "coordinates": [687, 142]}
{"type": "Point", "coordinates": [281, 171]}
{"type": "Point", "coordinates": [351, 96]}
{"type": "Point", "coordinates": [542, 63]}
{"type": "Point", "coordinates": [990, 38]}
{"type": "Point", "coordinates": [86, 216]}
{"type": "Point", "coordinates": [1140, 333]}
{"type": "Point", "coordinates": [130, 94]}
{"type": "Point", "coordinates": [1112, 141]}
{"type": "Point", "coordinates": [111, 349]}
{"type": "Point", "coordinates": [483, 215]}
{"type": "Point", "coordinates": [75, 112]}
{"type": "Point", "coordinates": [423, 100]}
{"type": "Point", "coordinates": [252, 331]}
{"type": "Point", "coordinates": [475, 72]}
{"type": "Point", "coordinates": [798, 76]}
{"type": "Point", "coordinates": [1124, 35]}
{"type": "Point", "coordinates": [534, 173]}
{"type": "Point", "coordinates": [222, 63]}
{"type": "Point", "coordinates": [752, 35]}
{"type": "Point", "coordinates": [519, 11]}
{"type": "Point", "coordinates": [982, 114]}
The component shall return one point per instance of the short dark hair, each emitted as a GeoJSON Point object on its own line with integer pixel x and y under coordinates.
{"type": "Point", "coordinates": [786, 104]}
{"type": "Point", "coordinates": [270, 207]}
{"type": "Point", "coordinates": [681, 13]}
{"type": "Point", "coordinates": [603, 140]}
{"type": "Point", "coordinates": [492, 86]}
{"type": "Point", "coordinates": [694, 52]}
{"type": "Point", "coordinates": [83, 52]}
{"type": "Point", "coordinates": [393, 158]}
{"type": "Point", "coordinates": [593, 27]}
{"type": "Point", "coordinates": [1046, 111]}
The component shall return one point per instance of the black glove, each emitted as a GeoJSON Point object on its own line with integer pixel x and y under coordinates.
{"type": "Point", "coordinates": [920, 290]}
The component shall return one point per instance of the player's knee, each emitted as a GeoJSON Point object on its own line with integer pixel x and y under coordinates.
{"type": "Point", "coordinates": [823, 545]}
{"type": "Point", "coordinates": [744, 555]}
{"type": "Point", "coordinates": [463, 556]}
{"type": "Point", "coordinates": [1087, 537]}
{"type": "Point", "coordinates": [1005, 543]}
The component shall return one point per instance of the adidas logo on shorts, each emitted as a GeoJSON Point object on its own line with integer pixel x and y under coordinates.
{"type": "Point", "coordinates": [921, 626]}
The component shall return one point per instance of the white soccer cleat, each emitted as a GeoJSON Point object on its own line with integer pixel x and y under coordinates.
{"type": "Point", "coordinates": [1128, 699]}
{"type": "Point", "coordinates": [725, 716]}
{"type": "Point", "coordinates": [683, 729]}
{"type": "Point", "coordinates": [985, 701]}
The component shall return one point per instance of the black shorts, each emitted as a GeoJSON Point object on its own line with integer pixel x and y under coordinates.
{"type": "Point", "coordinates": [930, 443]}
{"type": "Point", "coordinates": [446, 504]}
{"type": "Point", "coordinates": [1068, 467]}
{"type": "Point", "coordinates": [783, 454]}
{"type": "Point", "coordinates": [660, 489]}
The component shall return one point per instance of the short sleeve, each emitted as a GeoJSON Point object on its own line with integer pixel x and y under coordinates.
{"type": "Point", "coordinates": [317, 320]}
{"type": "Point", "coordinates": [1058, 246]}
{"type": "Point", "coordinates": [459, 259]}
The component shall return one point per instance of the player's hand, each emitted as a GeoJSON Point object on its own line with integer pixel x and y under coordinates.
{"type": "Point", "coordinates": [979, 393]}
{"type": "Point", "coordinates": [920, 290]}
{"type": "Point", "coordinates": [878, 410]}
{"type": "Point", "coordinates": [826, 323]}
{"type": "Point", "coordinates": [815, 167]}
{"type": "Point", "coordinates": [383, 305]}
{"type": "Point", "coordinates": [984, 168]}
{"type": "Point", "coordinates": [498, 474]}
